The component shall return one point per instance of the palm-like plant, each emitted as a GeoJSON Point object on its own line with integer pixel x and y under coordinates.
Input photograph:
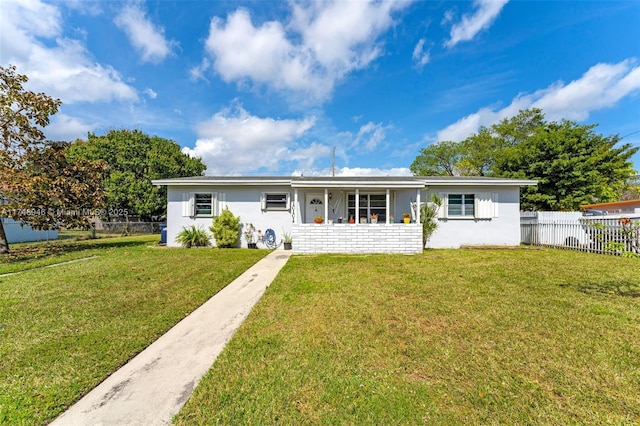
{"type": "Point", "coordinates": [192, 236]}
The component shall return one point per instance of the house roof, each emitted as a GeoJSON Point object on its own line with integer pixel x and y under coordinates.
{"type": "Point", "coordinates": [344, 182]}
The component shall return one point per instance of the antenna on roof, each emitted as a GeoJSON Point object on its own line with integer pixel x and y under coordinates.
{"type": "Point", "coordinates": [333, 162]}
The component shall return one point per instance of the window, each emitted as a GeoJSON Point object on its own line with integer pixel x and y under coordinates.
{"type": "Point", "coordinates": [461, 205]}
{"type": "Point", "coordinates": [200, 204]}
{"type": "Point", "coordinates": [275, 201]}
{"type": "Point", "coordinates": [369, 204]}
{"type": "Point", "coordinates": [480, 205]}
{"type": "Point", "coordinates": [203, 204]}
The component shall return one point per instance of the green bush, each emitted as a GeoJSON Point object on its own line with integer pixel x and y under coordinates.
{"type": "Point", "coordinates": [428, 217]}
{"type": "Point", "coordinates": [226, 229]}
{"type": "Point", "coordinates": [193, 237]}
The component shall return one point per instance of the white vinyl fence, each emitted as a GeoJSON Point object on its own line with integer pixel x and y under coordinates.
{"type": "Point", "coordinates": [570, 230]}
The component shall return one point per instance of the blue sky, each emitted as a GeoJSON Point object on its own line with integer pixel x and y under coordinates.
{"type": "Point", "coordinates": [271, 88]}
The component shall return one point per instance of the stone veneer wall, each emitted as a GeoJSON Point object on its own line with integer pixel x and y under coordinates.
{"type": "Point", "coordinates": [357, 238]}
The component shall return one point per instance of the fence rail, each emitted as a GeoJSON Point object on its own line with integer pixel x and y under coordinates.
{"type": "Point", "coordinates": [607, 236]}
{"type": "Point", "coordinates": [129, 228]}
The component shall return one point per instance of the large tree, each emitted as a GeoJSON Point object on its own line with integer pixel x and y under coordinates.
{"type": "Point", "coordinates": [134, 159]}
{"type": "Point", "coordinates": [438, 159]}
{"type": "Point", "coordinates": [23, 114]}
{"type": "Point", "coordinates": [573, 164]}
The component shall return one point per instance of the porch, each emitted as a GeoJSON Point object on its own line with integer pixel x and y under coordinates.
{"type": "Point", "coordinates": [359, 215]}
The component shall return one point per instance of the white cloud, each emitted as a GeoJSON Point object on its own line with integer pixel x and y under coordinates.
{"type": "Point", "coordinates": [420, 56]}
{"type": "Point", "coordinates": [363, 171]}
{"type": "Point", "coordinates": [150, 93]}
{"type": "Point", "coordinates": [320, 45]}
{"type": "Point", "coordinates": [91, 8]}
{"type": "Point", "coordinates": [198, 72]}
{"type": "Point", "coordinates": [470, 25]}
{"type": "Point", "coordinates": [146, 37]}
{"type": "Point", "coordinates": [66, 128]}
{"type": "Point", "coordinates": [369, 136]}
{"type": "Point", "coordinates": [235, 142]}
{"type": "Point", "coordinates": [602, 86]}
{"type": "Point", "coordinates": [31, 38]}
{"type": "Point", "coordinates": [357, 172]}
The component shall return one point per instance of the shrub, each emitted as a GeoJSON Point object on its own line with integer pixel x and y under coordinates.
{"type": "Point", "coordinates": [428, 216]}
{"type": "Point", "coordinates": [193, 237]}
{"type": "Point", "coordinates": [226, 229]}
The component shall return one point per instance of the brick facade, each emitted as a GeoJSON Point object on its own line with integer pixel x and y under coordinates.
{"type": "Point", "coordinates": [357, 238]}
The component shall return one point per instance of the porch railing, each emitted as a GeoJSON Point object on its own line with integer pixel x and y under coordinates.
{"type": "Point", "coordinates": [357, 238]}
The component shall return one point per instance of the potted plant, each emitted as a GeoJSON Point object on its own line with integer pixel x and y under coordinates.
{"type": "Point", "coordinates": [287, 239]}
{"type": "Point", "coordinates": [351, 219]}
{"type": "Point", "coordinates": [318, 219]}
{"type": "Point", "coordinates": [374, 218]}
{"type": "Point", "coordinates": [406, 217]}
{"type": "Point", "coordinates": [249, 233]}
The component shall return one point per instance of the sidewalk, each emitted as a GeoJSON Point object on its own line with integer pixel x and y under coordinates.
{"type": "Point", "coordinates": [152, 387]}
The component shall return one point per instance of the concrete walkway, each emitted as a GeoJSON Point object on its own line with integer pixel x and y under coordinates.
{"type": "Point", "coordinates": [153, 386]}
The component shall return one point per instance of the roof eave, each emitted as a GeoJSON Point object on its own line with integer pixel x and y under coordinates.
{"type": "Point", "coordinates": [360, 184]}
{"type": "Point", "coordinates": [483, 182]}
{"type": "Point", "coordinates": [220, 182]}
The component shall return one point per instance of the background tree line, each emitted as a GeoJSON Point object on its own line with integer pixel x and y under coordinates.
{"type": "Point", "coordinates": [572, 163]}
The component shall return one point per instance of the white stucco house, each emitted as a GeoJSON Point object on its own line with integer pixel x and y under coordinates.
{"type": "Point", "coordinates": [475, 210]}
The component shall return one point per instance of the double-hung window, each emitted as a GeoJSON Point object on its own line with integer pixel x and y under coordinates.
{"type": "Point", "coordinates": [479, 205]}
{"type": "Point", "coordinates": [461, 205]}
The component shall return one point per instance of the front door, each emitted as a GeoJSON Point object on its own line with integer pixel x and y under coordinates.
{"type": "Point", "coordinates": [314, 207]}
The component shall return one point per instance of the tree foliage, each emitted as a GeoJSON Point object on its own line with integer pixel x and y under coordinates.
{"type": "Point", "coordinates": [23, 114]}
{"type": "Point", "coordinates": [572, 163]}
{"type": "Point", "coordinates": [133, 160]}
{"type": "Point", "coordinates": [438, 159]}
{"type": "Point", "coordinates": [53, 191]}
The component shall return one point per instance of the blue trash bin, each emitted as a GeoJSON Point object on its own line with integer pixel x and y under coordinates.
{"type": "Point", "coordinates": [163, 234]}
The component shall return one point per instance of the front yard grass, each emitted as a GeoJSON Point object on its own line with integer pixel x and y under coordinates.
{"type": "Point", "coordinates": [447, 337]}
{"type": "Point", "coordinates": [33, 255]}
{"type": "Point", "coordinates": [65, 329]}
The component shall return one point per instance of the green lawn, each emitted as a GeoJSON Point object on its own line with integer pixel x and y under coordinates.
{"type": "Point", "coordinates": [74, 246]}
{"type": "Point", "coordinates": [447, 337]}
{"type": "Point", "coordinates": [65, 329]}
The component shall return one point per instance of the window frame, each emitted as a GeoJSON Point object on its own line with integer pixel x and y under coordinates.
{"type": "Point", "coordinates": [283, 204]}
{"type": "Point", "coordinates": [212, 204]}
{"type": "Point", "coordinates": [467, 202]}
{"type": "Point", "coordinates": [485, 205]}
{"type": "Point", "coordinates": [367, 209]}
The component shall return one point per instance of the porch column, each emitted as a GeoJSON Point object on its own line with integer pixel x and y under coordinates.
{"type": "Point", "coordinates": [418, 205]}
{"type": "Point", "coordinates": [326, 206]}
{"type": "Point", "coordinates": [296, 209]}
{"type": "Point", "coordinates": [356, 215]}
{"type": "Point", "coordinates": [388, 200]}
